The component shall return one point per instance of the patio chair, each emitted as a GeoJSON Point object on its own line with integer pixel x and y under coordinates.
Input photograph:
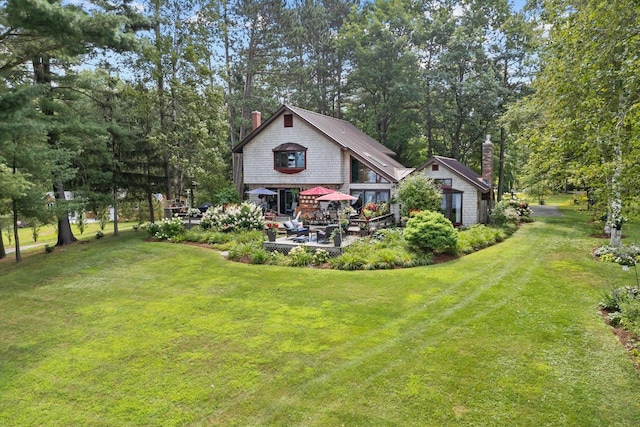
{"type": "Point", "coordinates": [292, 209]}
{"type": "Point", "coordinates": [295, 228]}
{"type": "Point", "coordinates": [323, 236]}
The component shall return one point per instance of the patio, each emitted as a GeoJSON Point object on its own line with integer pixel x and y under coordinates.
{"type": "Point", "coordinates": [285, 243]}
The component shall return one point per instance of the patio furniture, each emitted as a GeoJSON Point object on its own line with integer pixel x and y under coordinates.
{"type": "Point", "coordinates": [295, 228]}
{"type": "Point", "coordinates": [324, 235]}
{"type": "Point", "coordinates": [292, 209]}
{"type": "Point", "coordinates": [301, 239]}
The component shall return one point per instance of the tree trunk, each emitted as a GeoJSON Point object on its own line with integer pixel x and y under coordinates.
{"type": "Point", "coordinates": [42, 75]}
{"type": "Point", "coordinates": [501, 163]}
{"type": "Point", "coordinates": [3, 252]}
{"type": "Point", "coordinates": [505, 81]}
{"type": "Point", "coordinates": [151, 213]}
{"type": "Point", "coordinates": [615, 218]}
{"type": "Point", "coordinates": [616, 238]}
{"type": "Point", "coordinates": [161, 98]}
{"type": "Point", "coordinates": [65, 235]}
{"type": "Point", "coordinates": [15, 231]}
{"type": "Point", "coordinates": [115, 213]}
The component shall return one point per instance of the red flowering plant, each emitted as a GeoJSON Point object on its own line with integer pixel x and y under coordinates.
{"type": "Point", "coordinates": [372, 210]}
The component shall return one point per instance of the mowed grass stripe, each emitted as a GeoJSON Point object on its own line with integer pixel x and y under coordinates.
{"type": "Point", "coordinates": [394, 334]}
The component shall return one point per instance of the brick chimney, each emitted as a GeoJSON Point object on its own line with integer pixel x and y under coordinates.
{"type": "Point", "coordinates": [256, 119]}
{"type": "Point", "coordinates": [487, 161]}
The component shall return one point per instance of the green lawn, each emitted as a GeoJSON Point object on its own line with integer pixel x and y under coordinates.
{"type": "Point", "coordinates": [119, 332]}
{"type": "Point", "coordinates": [47, 234]}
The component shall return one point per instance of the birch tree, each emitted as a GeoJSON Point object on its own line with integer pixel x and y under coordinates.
{"type": "Point", "coordinates": [585, 129]}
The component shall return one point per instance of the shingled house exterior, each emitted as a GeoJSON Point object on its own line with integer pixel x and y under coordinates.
{"type": "Point", "coordinates": [296, 149]}
{"type": "Point", "coordinates": [466, 196]}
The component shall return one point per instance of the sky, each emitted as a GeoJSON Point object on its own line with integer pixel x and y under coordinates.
{"type": "Point", "coordinates": [518, 4]}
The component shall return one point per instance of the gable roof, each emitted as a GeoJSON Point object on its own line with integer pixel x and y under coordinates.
{"type": "Point", "coordinates": [347, 136]}
{"type": "Point", "coordinates": [459, 169]}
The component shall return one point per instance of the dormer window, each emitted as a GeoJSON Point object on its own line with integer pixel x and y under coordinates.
{"type": "Point", "coordinates": [290, 158]}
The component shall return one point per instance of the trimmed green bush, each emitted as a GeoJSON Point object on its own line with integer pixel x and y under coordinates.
{"type": "Point", "coordinates": [431, 232]}
{"type": "Point", "coordinates": [241, 250]}
{"type": "Point", "coordinates": [258, 256]}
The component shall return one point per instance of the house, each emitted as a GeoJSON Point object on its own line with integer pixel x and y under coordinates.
{"type": "Point", "coordinates": [466, 196]}
{"type": "Point", "coordinates": [296, 149]}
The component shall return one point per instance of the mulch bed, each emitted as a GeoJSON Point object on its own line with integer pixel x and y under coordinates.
{"type": "Point", "coordinates": [629, 341]}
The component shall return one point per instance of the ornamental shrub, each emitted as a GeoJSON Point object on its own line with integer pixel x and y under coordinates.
{"type": "Point", "coordinates": [512, 210]}
{"type": "Point", "coordinates": [150, 227]}
{"type": "Point", "coordinates": [477, 237]}
{"type": "Point", "coordinates": [238, 251]}
{"type": "Point", "coordinates": [612, 298]}
{"type": "Point", "coordinates": [419, 193]}
{"type": "Point", "coordinates": [431, 232]}
{"type": "Point", "coordinates": [503, 213]}
{"type": "Point", "coordinates": [320, 257]}
{"type": "Point", "coordinates": [246, 216]}
{"type": "Point", "coordinates": [625, 255]}
{"type": "Point", "coordinates": [623, 305]}
{"type": "Point", "coordinates": [259, 256]}
{"type": "Point", "coordinates": [169, 228]}
{"type": "Point", "coordinates": [300, 256]}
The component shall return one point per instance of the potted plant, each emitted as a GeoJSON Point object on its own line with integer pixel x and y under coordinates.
{"type": "Point", "coordinates": [336, 236]}
{"type": "Point", "coordinates": [364, 228]}
{"type": "Point", "coordinates": [271, 231]}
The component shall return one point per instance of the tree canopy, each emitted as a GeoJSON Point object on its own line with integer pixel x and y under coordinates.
{"type": "Point", "coordinates": [147, 97]}
{"type": "Point", "coordinates": [582, 120]}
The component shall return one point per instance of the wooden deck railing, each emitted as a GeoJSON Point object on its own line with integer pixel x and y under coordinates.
{"type": "Point", "coordinates": [373, 224]}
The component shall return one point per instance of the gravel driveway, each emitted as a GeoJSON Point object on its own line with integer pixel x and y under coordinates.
{"type": "Point", "coordinates": [545, 210]}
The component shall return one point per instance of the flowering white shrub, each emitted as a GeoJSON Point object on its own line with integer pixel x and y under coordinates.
{"type": "Point", "coordinates": [320, 256]}
{"type": "Point", "coordinates": [300, 256]}
{"type": "Point", "coordinates": [625, 255]}
{"type": "Point", "coordinates": [246, 216]}
{"type": "Point", "coordinates": [504, 213]}
{"type": "Point", "coordinates": [150, 227]}
{"type": "Point", "coordinates": [169, 228]}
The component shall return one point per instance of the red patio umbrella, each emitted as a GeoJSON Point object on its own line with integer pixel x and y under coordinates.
{"type": "Point", "coordinates": [316, 191]}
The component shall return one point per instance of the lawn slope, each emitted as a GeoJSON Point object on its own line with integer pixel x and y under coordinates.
{"type": "Point", "coordinates": [120, 331]}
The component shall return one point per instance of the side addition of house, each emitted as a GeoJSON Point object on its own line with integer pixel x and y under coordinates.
{"type": "Point", "coordinates": [466, 196]}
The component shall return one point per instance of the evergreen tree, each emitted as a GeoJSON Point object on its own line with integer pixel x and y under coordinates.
{"type": "Point", "coordinates": [50, 37]}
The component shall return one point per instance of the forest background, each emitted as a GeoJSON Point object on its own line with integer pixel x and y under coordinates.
{"type": "Point", "coordinates": [113, 98]}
